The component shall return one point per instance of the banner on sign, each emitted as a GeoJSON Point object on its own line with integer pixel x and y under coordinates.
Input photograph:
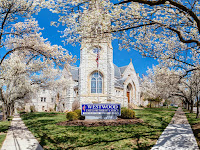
{"type": "Point", "coordinates": [99, 109]}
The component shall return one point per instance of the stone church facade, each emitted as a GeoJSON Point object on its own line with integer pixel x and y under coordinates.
{"type": "Point", "coordinates": [106, 83]}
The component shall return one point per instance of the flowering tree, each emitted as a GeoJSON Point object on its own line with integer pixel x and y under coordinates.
{"type": "Point", "coordinates": [159, 83]}
{"type": "Point", "coordinates": [164, 29]}
{"type": "Point", "coordinates": [170, 84]}
{"type": "Point", "coordinates": [194, 84]}
{"type": "Point", "coordinates": [21, 76]}
{"type": "Point", "coordinates": [15, 83]}
{"type": "Point", "coordinates": [36, 53]}
{"type": "Point", "coordinates": [21, 38]}
{"type": "Point", "coordinates": [13, 11]}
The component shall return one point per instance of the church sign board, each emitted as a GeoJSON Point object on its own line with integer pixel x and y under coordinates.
{"type": "Point", "coordinates": [101, 111]}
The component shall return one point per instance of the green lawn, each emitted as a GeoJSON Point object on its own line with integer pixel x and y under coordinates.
{"type": "Point", "coordinates": [4, 126]}
{"type": "Point", "coordinates": [138, 136]}
{"type": "Point", "coordinates": [195, 124]}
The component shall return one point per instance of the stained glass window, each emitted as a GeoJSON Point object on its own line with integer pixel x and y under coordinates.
{"type": "Point", "coordinates": [96, 83]}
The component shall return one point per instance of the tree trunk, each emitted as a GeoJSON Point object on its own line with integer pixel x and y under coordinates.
{"type": "Point", "coordinates": [5, 113]}
{"type": "Point", "coordinates": [11, 109]}
{"type": "Point", "coordinates": [197, 115]}
{"type": "Point", "coordinates": [191, 107]}
{"type": "Point", "coordinates": [8, 111]}
{"type": "Point", "coordinates": [188, 106]}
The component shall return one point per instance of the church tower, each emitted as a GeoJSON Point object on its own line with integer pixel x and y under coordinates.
{"type": "Point", "coordinates": [96, 71]}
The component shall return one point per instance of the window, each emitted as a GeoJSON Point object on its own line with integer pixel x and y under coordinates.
{"type": "Point", "coordinates": [43, 99]}
{"type": "Point", "coordinates": [52, 100]}
{"type": "Point", "coordinates": [96, 83]}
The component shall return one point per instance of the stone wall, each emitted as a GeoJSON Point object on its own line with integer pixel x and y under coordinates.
{"type": "Point", "coordinates": [88, 65]}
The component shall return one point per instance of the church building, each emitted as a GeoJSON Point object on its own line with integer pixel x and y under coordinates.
{"type": "Point", "coordinates": [98, 79]}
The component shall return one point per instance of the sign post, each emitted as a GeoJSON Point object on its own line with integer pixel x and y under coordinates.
{"type": "Point", "coordinates": [101, 111]}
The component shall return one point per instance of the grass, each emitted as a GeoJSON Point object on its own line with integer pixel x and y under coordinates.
{"type": "Point", "coordinates": [4, 126]}
{"type": "Point", "coordinates": [195, 124]}
{"type": "Point", "coordinates": [137, 136]}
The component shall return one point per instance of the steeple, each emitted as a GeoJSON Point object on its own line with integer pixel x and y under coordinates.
{"type": "Point", "coordinates": [96, 54]}
{"type": "Point", "coordinates": [96, 22]}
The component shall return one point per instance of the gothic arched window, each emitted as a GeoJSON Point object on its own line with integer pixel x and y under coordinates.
{"type": "Point", "coordinates": [96, 83]}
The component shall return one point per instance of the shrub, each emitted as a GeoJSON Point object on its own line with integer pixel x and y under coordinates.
{"type": "Point", "coordinates": [148, 105]}
{"type": "Point", "coordinates": [32, 108]}
{"type": "Point", "coordinates": [141, 105]}
{"type": "Point", "coordinates": [66, 111]}
{"type": "Point", "coordinates": [51, 109]}
{"type": "Point", "coordinates": [78, 112]}
{"type": "Point", "coordinates": [127, 114]}
{"type": "Point", "coordinates": [165, 104]}
{"type": "Point", "coordinates": [123, 108]}
{"type": "Point", "coordinates": [22, 112]}
{"type": "Point", "coordinates": [71, 116]}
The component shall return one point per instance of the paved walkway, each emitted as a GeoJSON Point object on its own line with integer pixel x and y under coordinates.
{"type": "Point", "coordinates": [19, 137]}
{"type": "Point", "coordinates": [178, 135]}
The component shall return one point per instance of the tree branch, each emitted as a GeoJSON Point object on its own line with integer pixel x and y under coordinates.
{"type": "Point", "coordinates": [28, 48]}
{"type": "Point", "coordinates": [173, 3]}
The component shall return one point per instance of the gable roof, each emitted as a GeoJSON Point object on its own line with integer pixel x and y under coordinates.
{"type": "Point", "coordinates": [117, 71]}
{"type": "Point", "coordinates": [75, 73]}
{"type": "Point", "coordinates": [122, 69]}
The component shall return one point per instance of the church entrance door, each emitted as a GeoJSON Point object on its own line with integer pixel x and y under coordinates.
{"type": "Point", "coordinates": [128, 95]}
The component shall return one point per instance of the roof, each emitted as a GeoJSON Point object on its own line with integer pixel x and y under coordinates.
{"type": "Point", "coordinates": [118, 71]}
{"type": "Point", "coordinates": [75, 73]}
{"type": "Point", "coordinates": [122, 69]}
{"type": "Point", "coordinates": [119, 83]}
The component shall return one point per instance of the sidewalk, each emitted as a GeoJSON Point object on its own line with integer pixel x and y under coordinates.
{"type": "Point", "coordinates": [178, 135]}
{"type": "Point", "coordinates": [19, 137]}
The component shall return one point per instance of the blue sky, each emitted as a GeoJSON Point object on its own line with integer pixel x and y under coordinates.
{"type": "Point", "coordinates": [120, 58]}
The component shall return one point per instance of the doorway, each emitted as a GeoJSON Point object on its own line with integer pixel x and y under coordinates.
{"type": "Point", "coordinates": [128, 95]}
{"type": "Point", "coordinates": [129, 92]}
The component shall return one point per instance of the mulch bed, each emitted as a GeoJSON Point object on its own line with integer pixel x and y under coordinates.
{"type": "Point", "coordinates": [96, 123]}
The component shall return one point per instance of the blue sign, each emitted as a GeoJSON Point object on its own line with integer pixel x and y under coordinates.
{"type": "Point", "coordinates": [99, 109]}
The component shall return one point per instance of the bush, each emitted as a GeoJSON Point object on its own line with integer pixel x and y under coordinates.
{"type": "Point", "coordinates": [165, 104]}
{"type": "Point", "coordinates": [32, 108]}
{"type": "Point", "coordinates": [66, 111]}
{"type": "Point", "coordinates": [22, 112]}
{"type": "Point", "coordinates": [123, 108]}
{"type": "Point", "coordinates": [78, 112]}
{"type": "Point", "coordinates": [71, 116]}
{"type": "Point", "coordinates": [51, 110]}
{"type": "Point", "coordinates": [148, 105]}
{"type": "Point", "coordinates": [141, 106]}
{"type": "Point", "coordinates": [127, 114]}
